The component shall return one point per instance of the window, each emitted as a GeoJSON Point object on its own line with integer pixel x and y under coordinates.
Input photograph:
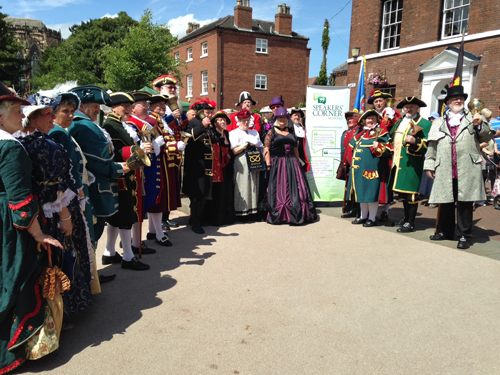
{"type": "Point", "coordinates": [189, 54]}
{"type": "Point", "coordinates": [189, 86]}
{"type": "Point", "coordinates": [389, 90]}
{"type": "Point", "coordinates": [204, 83]}
{"type": "Point", "coordinates": [177, 56]}
{"type": "Point", "coordinates": [261, 46]}
{"type": "Point", "coordinates": [455, 17]}
{"type": "Point", "coordinates": [204, 49]}
{"type": "Point", "coordinates": [260, 82]}
{"type": "Point", "coordinates": [391, 24]}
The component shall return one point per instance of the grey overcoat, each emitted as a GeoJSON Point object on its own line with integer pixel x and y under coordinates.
{"type": "Point", "coordinates": [439, 159]}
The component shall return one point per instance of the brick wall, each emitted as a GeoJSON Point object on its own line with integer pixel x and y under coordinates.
{"type": "Point", "coordinates": [421, 23]}
{"type": "Point", "coordinates": [283, 23]}
{"type": "Point", "coordinates": [243, 17]}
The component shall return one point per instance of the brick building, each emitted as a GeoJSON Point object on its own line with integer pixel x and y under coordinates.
{"type": "Point", "coordinates": [237, 53]}
{"type": "Point", "coordinates": [35, 37]}
{"type": "Point", "coordinates": [415, 44]}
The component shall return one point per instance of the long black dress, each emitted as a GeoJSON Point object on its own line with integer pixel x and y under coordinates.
{"type": "Point", "coordinates": [288, 194]}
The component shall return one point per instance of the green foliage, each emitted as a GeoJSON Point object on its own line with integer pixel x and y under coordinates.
{"type": "Point", "coordinates": [79, 57]}
{"type": "Point", "coordinates": [141, 56]}
{"type": "Point", "coordinates": [301, 105]}
{"type": "Point", "coordinates": [325, 42]}
{"type": "Point", "coordinates": [11, 61]}
{"type": "Point", "coordinates": [331, 80]}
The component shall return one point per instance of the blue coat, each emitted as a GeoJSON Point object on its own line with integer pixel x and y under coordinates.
{"type": "Point", "coordinates": [97, 150]}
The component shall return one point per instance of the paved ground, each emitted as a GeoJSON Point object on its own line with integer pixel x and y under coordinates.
{"type": "Point", "coordinates": [326, 298]}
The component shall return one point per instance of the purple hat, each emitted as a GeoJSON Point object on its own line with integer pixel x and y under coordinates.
{"type": "Point", "coordinates": [281, 111]}
{"type": "Point", "coordinates": [277, 101]}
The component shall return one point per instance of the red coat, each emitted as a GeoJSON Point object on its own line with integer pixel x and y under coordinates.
{"type": "Point", "coordinates": [234, 122]}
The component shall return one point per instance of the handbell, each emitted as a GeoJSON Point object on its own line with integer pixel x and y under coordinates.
{"type": "Point", "coordinates": [200, 114]}
{"type": "Point", "coordinates": [138, 159]}
{"type": "Point", "coordinates": [155, 133]}
{"type": "Point", "coordinates": [185, 136]}
{"type": "Point", "coordinates": [145, 135]}
{"type": "Point", "coordinates": [389, 102]}
{"type": "Point", "coordinates": [476, 106]}
{"type": "Point", "coordinates": [172, 103]}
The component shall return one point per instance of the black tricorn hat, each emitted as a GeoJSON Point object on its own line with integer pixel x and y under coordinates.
{"type": "Point", "coordinates": [370, 112]}
{"type": "Point", "coordinates": [457, 90]}
{"type": "Point", "coordinates": [118, 98]}
{"type": "Point", "coordinates": [378, 94]}
{"type": "Point", "coordinates": [141, 96]}
{"type": "Point", "coordinates": [411, 100]}
{"type": "Point", "coordinates": [158, 98]}
{"type": "Point", "coordinates": [297, 110]}
{"type": "Point", "coordinates": [220, 114]}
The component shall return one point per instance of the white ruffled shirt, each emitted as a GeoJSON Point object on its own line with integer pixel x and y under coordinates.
{"type": "Point", "coordinates": [238, 137]}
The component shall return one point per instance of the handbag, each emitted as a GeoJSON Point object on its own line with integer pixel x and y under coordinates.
{"type": "Point", "coordinates": [255, 160]}
{"type": "Point", "coordinates": [341, 172]}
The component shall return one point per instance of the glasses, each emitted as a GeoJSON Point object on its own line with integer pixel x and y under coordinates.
{"type": "Point", "coordinates": [457, 99]}
{"type": "Point", "coordinates": [276, 106]}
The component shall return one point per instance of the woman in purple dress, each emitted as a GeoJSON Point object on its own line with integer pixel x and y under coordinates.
{"type": "Point", "coordinates": [288, 195]}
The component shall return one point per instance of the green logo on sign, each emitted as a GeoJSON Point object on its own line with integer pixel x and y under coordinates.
{"type": "Point", "coordinates": [319, 98]}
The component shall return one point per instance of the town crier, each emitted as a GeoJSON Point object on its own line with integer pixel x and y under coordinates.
{"type": "Point", "coordinates": [409, 140]}
{"type": "Point", "coordinates": [350, 207]}
{"type": "Point", "coordinates": [245, 102]}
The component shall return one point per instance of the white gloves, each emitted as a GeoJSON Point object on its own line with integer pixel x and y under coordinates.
{"type": "Point", "coordinates": [389, 112]}
{"type": "Point", "coordinates": [181, 146]}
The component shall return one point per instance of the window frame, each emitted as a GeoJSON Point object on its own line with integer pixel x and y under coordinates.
{"type": "Point", "coordinates": [258, 80]}
{"type": "Point", "coordinates": [204, 74]}
{"type": "Point", "coordinates": [394, 35]}
{"type": "Point", "coordinates": [189, 86]}
{"type": "Point", "coordinates": [257, 40]}
{"type": "Point", "coordinates": [453, 9]}
{"type": "Point", "coordinates": [206, 51]}
{"type": "Point", "coordinates": [189, 54]}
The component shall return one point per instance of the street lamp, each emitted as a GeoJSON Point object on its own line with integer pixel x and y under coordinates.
{"type": "Point", "coordinates": [355, 52]}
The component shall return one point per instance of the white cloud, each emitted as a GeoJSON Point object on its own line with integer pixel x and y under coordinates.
{"type": "Point", "coordinates": [63, 27]}
{"type": "Point", "coordinates": [25, 6]}
{"type": "Point", "coordinates": [107, 15]}
{"type": "Point", "coordinates": [179, 25]}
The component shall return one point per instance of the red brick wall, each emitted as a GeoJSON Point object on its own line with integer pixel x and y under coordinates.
{"type": "Point", "coordinates": [243, 17]}
{"type": "Point", "coordinates": [283, 23]}
{"type": "Point", "coordinates": [286, 66]}
{"type": "Point", "coordinates": [421, 23]}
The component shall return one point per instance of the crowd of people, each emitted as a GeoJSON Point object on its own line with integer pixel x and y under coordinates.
{"type": "Point", "coordinates": [386, 152]}
{"type": "Point", "coordinates": [75, 161]}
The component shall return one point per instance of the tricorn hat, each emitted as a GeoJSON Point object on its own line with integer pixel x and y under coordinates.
{"type": "Point", "coordinates": [164, 80]}
{"type": "Point", "coordinates": [220, 114]}
{"type": "Point", "coordinates": [203, 104]}
{"type": "Point", "coordinates": [7, 94]}
{"type": "Point", "coordinates": [457, 90]}
{"type": "Point", "coordinates": [370, 112]}
{"type": "Point", "coordinates": [158, 98]}
{"type": "Point", "coordinates": [378, 94]}
{"type": "Point", "coordinates": [141, 96]}
{"type": "Point", "coordinates": [411, 100]}
{"type": "Point", "coordinates": [118, 98]}
{"type": "Point", "coordinates": [244, 113]}
{"type": "Point", "coordinates": [91, 94]}
{"type": "Point", "coordinates": [245, 95]}
{"type": "Point", "coordinates": [296, 110]}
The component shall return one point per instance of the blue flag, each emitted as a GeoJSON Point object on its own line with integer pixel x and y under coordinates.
{"type": "Point", "coordinates": [359, 104]}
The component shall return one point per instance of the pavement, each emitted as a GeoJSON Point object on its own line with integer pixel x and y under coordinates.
{"type": "Point", "coordinates": [324, 298]}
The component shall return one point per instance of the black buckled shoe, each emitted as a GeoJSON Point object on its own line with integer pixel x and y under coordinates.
{"type": "Point", "coordinates": [144, 251]}
{"type": "Point", "coordinates": [384, 216]}
{"type": "Point", "coordinates": [172, 224]}
{"type": "Point", "coordinates": [405, 228]}
{"type": "Point", "coordinates": [134, 264]}
{"type": "Point", "coordinates": [438, 237]}
{"type": "Point", "coordinates": [463, 243]}
{"type": "Point", "coordinates": [348, 214]}
{"type": "Point", "coordinates": [358, 220]}
{"type": "Point", "coordinates": [103, 279]}
{"type": "Point", "coordinates": [106, 259]}
{"type": "Point", "coordinates": [164, 226]}
{"type": "Point", "coordinates": [369, 223]}
{"type": "Point", "coordinates": [164, 241]}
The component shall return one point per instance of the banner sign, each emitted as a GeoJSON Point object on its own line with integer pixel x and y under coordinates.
{"type": "Point", "coordinates": [325, 123]}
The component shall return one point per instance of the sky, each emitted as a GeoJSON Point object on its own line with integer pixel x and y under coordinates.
{"type": "Point", "coordinates": [308, 18]}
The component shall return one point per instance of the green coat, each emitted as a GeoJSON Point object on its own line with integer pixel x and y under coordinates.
{"type": "Point", "coordinates": [96, 148]}
{"type": "Point", "coordinates": [22, 308]}
{"type": "Point", "coordinates": [406, 173]}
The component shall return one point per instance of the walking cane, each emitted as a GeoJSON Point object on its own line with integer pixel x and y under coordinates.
{"type": "Point", "coordinates": [437, 219]}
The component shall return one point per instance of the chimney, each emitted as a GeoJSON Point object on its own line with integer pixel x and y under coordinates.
{"type": "Point", "coordinates": [243, 15]}
{"type": "Point", "coordinates": [283, 20]}
{"type": "Point", "coordinates": [192, 26]}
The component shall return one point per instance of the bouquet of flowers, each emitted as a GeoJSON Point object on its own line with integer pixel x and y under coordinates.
{"type": "Point", "coordinates": [377, 79]}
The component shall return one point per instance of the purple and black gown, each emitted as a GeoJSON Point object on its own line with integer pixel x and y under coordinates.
{"type": "Point", "coordinates": [288, 195]}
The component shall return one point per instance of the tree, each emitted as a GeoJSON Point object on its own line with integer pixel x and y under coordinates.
{"type": "Point", "coordinates": [11, 60]}
{"type": "Point", "coordinates": [325, 42]}
{"type": "Point", "coordinates": [79, 57]}
{"type": "Point", "coordinates": [143, 55]}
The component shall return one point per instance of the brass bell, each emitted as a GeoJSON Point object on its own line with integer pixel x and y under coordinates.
{"type": "Point", "coordinates": [138, 159]}
{"type": "Point", "coordinates": [476, 106]}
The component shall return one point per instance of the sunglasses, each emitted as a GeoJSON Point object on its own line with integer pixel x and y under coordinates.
{"type": "Point", "coordinates": [276, 106]}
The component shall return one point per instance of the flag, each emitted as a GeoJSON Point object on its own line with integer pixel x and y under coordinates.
{"type": "Point", "coordinates": [359, 103]}
{"type": "Point", "coordinates": [457, 77]}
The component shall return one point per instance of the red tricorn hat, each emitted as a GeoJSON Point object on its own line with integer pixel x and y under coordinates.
{"type": "Point", "coordinates": [164, 80]}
